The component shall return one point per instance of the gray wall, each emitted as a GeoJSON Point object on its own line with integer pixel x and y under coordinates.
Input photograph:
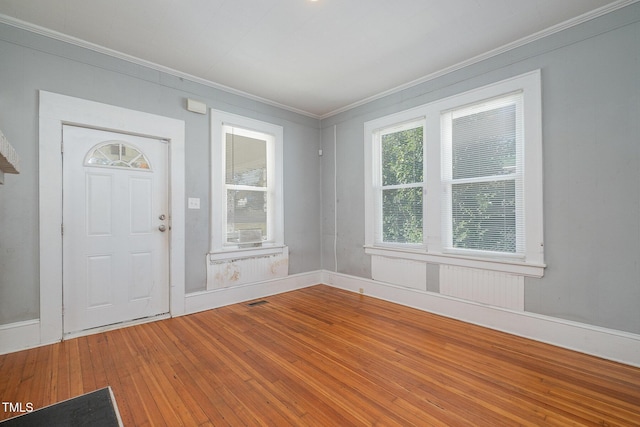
{"type": "Point", "coordinates": [591, 127]}
{"type": "Point", "coordinates": [591, 131]}
{"type": "Point", "coordinates": [29, 62]}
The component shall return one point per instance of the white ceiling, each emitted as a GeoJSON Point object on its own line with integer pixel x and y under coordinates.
{"type": "Point", "coordinates": [318, 57]}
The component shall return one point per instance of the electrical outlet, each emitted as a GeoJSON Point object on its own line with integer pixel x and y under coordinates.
{"type": "Point", "coordinates": [194, 203]}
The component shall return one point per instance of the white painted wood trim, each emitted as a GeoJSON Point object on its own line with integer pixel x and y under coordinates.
{"type": "Point", "coordinates": [56, 110]}
{"type": "Point", "coordinates": [434, 249]}
{"type": "Point", "coordinates": [207, 300]}
{"type": "Point", "coordinates": [243, 270]}
{"type": "Point", "coordinates": [609, 344]}
{"type": "Point", "coordinates": [246, 253]}
{"type": "Point", "coordinates": [275, 168]}
{"type": "Point", "coordinates": [399, 271]}
{"type": "Point", "coordinates": [14, 22]}
{"type": "Point", "coordinates": [19, 336]}
{"type": "Point", "coordinates": [483, 286]}
{"type": "Point", "coordinates": [609, 8]}
{"type": "Point", "coordinates": [501, 265]}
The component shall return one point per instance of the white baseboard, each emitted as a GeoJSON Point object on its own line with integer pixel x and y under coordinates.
{"type": "Point", "coordinates": [606, 343]}
{"type": "Point", "coordinates": [19, 336]}
{"type": "Point", "coordinates": [25, 335]}
{"type": "Point", "coordinates": [206, 300]}
{"type": "Point", "coordinates": [609, 344]}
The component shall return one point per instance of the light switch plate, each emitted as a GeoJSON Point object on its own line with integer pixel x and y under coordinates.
{"type": "Point", "coordinates": [194, 203]}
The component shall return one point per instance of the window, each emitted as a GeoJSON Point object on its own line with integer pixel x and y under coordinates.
{"type": "Point", "coordinates": [401, 183]}
{"type": "Point", "coordinates": [459, 181]}
{"type": "Point", "coordinates": [118, 155]}
{"type": "Point", "coordinates": [247, 186]}
{"type": "Point", "coordinates": [247, 198]}
{"type": "Point", "coordinates": [482, 170]}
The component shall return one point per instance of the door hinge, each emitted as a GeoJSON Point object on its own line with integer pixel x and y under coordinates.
{"type": "Point", "coordinates": [62, 229]}
{"type": "Point", "coordinates": [62, 147]}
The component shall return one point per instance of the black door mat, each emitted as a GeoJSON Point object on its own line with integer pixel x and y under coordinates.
{"type": "Point", "coordinates": [95, 409]}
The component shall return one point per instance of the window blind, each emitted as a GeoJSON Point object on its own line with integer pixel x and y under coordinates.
{"type": "Point", "coordinates": [482, 153]}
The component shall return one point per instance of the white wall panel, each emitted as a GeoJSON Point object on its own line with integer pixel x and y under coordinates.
{"type": "Point", "coordinates": [397, 271]}
{"type": "Point", "coordinates": [483, 286]}
{"type": "Point", "coordinates": [243, 269]}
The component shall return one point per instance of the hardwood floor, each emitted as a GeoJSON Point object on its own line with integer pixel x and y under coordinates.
{"type": "Point", "coordinates": [325, 357]}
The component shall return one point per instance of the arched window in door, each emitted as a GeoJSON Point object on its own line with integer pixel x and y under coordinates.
{"type": "Point", "coordinates": [117, 154]}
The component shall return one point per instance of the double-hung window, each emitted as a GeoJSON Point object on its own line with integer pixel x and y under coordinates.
{"type": "Point", "coordinates": [482, 177]}
{"type": "Point", "coordinates": [247, 202]}
{"type": "Point", "coordinates": [399, 186]}
{"type": "Point", "coordinates": [459, 181]}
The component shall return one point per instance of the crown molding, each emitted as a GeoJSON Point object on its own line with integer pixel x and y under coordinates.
{"type": "Point", "coordinates": [36, 29]}
{"type": "Point", "coordinates": [176, 73]}
{"type": "Point", "coordinates": [487, 55]}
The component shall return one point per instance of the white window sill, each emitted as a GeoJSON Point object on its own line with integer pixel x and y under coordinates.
{"type": "Point", "coordinates": [237, 253]}
{"type": "Point", "coordinates": [502, 265]}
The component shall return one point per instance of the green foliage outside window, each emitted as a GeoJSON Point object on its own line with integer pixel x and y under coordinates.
{"type": "Point", "coordinates": [483, 193]}
{"type": "Point", "coordinates": [483, 216]}
{"type": "Point", "coordinates": [402, 164]}
{"type": "Point", "coordinates": [484, 212]}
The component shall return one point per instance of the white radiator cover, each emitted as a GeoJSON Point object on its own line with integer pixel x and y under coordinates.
{"type": "Point", "coordinates": [483, 286]}
{"type": "Point", "coordinates": [398, 271]}
{"type": "Point", "coordinates": [248, 267]}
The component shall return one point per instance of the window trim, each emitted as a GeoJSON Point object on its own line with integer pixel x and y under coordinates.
{"type": "Point", "coordinates": [433, 250]}
{"type": "Point", "coordinates": [379, 187]}
{"type": "Point", "coordinates": [218, 241]}
{"type": "Point", "coordinates": [448, 181]}
{"type": "Point", "coordinates": [266, 189]}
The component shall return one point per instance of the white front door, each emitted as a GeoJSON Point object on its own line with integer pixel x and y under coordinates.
{"type": "Point", "coordinates": [115, 228]}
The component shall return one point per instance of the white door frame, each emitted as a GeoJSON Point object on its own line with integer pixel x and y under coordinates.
{"type": "Point", "coordinates": [56, 110]}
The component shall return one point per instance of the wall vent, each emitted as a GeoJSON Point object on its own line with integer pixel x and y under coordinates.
{"type": "Point", "coordinates": [254, 303]}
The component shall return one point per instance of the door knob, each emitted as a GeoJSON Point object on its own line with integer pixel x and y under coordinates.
{"type": "Point", "coordinates": [162, 228]}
